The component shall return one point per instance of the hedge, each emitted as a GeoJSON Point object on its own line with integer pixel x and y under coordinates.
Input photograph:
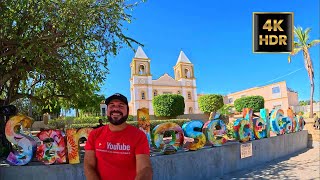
{"type": "Point", "coordinates": [254, 102]}
{"type": "Point", "coordinates": [153, 123]}
{"type": "Point", "coordinates": [210, 103]}
{"type": "Point", "coordinates": [168, 105]}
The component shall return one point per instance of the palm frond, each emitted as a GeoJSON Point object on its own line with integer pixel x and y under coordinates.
{"type": "Point", "coordinates": [297, 45]}
{"type": "Point", "coordinates": [306, 34]}
{"type": "Point", "coordinates": [307, 30]}
{"type": "Point", "coordinates": [300, 35]}
{"type": "Point", "coordinates": [294, 52]}
{"type": "Point", "coordinates": [313, 43]}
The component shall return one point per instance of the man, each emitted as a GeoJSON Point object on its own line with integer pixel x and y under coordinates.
{"type": "Point", "coordinates": [100, 124]}
{"type": "Point", "coordinates": [117, 150]}
{"type": "Point", "coordinates": [316, 121]}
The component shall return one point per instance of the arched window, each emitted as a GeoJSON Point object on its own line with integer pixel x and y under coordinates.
{"type": "Point", "coordinates": [155, 93]}
{"type": "Point", "coordinates": [178, 92]}
{"type": "Point", "coordinates": [190, 110]}
{"type": "Point", "coordinates": [187, 73]}
{"type": "Point", "coordinates": [189, 95]}
{"type": "Point", "coordinates": [143, 96]}
{"type": "Point", "coordinates": [142, 69]}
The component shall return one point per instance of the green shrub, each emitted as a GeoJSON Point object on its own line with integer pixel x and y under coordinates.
{"type": "Point", "coordinates": [57, 123]}
{"type": "Point", "coordinates": [84, 120]}
{"type": "Point", "coordinates": [153, 123]}
{"type": "Point", "coordinates": [168, 105]}
{"type": "Point", "coordinates": [230, 130]}
{"type": "Point", "coordinates": [225, 109]}
{"type": "Point", "coordinates": [210, 103]}
{"type": "Point", "coordinates": [180, 122]}
{"type": "Point", "coordinates": [85, 125]}
{"type": "Point", "coordinates": [71, 121]}
{"type": "Point", "coordinates": [130, 118]}
{"type": "Point", "coordinates": [254, 102]}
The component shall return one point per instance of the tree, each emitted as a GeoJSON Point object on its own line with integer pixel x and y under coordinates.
{"type": "Point", "coordinates": [52, 52]}
{"type": "Point", "coordinates": [303, 103]}
{"type": "Point", "coordinates": [168, 105]}
{"type": "Point", "coordinates": [303, 44]}
{"type": "Point", "coordinates": [92, 105]}
{"type": "Point", "coordinates": [58, 49]}
{"type": "Point", "coordinates": [210, 103]}
{"type": "Point", "coordinates": [254, 102]}
{"type": "Point", "coordinates": [23, 106]}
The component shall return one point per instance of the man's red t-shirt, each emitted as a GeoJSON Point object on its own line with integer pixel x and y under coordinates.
{"type": "Point", "coordinates": [115, 151]}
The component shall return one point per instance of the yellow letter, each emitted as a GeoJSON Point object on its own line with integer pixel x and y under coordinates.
{"type": "Point", "coordinates": [261, 39]}
{"type": "Point", "coordinates": [267, 25]}
{"type": "Point", "coordinates": [273, 42]}
{"type": "Point", "coordinates": [282, 39]}
{"type": "Point", "coordinates": [276, 25]}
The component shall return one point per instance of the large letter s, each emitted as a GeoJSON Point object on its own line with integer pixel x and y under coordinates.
{"type": "Point", "coordinates": [26, 143]}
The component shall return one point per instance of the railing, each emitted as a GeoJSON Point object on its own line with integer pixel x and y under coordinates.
{"type": "Point", "coordinates": [306, 108]}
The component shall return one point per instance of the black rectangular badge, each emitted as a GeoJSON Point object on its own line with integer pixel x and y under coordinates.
{"type": "Point", "coordinates": [272, 32]}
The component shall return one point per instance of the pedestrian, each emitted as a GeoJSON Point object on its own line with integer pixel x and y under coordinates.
{"type": "Point", "coordinates": [316, 120]}
{"type": "Point", "coordinates": [100, 124]}
{"type": "Point", "coordinates": [117, 150]}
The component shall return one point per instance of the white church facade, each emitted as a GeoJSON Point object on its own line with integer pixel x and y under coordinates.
{"type": "Point", "coordinates": [143, 88]}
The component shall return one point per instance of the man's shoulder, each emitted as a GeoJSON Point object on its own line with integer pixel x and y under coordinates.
{"type": "Point", "coordinates": [99, 130]}
{"type": "Point", "coordinates": [135, 130]}
{"type": "Point", "coordinates": [132, 128]}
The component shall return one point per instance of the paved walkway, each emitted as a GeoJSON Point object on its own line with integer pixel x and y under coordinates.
{"type": "Point", "coordinates": [302, 165]}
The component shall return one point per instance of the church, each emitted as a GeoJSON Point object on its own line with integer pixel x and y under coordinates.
{"type": "Point", "coordinates": [143, 87]}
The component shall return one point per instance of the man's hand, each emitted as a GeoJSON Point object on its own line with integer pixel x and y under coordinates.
{"type": "Point", "coordinates": [90, 167]}
{"type": "Point", "coordinates": [144, 169]}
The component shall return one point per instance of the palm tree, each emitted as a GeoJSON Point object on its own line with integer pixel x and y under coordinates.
{"type": "Point", "coordinates": [303, 44]}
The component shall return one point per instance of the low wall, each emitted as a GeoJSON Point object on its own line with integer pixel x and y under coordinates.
{"type": "Point", "coordinates": [201, 164]}
{"type": "Point", "coordinates": [202, 117]}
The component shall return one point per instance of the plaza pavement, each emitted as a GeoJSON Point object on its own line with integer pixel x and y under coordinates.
{"type": "Point", "coordinates": [301, 165]}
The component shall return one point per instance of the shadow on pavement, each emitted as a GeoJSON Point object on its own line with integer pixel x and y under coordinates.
{"type": "Point", "coordinates": [289, 167]}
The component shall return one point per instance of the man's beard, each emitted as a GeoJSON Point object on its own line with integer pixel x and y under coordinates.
{"type": "Point", "coordinates": [117, 121]}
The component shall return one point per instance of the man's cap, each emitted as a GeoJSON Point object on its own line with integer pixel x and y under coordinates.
{"type": "Point", "coordinates": [117, 96]}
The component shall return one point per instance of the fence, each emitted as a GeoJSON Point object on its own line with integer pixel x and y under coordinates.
{"type": "Point", "coordinates": [316, 108]}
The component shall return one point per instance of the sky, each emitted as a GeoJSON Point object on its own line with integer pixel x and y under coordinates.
{"type": "Point", "coordinates": [216, 36]}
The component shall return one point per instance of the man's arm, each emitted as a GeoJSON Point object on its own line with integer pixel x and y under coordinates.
{"type": "Point", "coordinates": [90, 165]}
{"type": "Point", "coordinates": [144, 169]}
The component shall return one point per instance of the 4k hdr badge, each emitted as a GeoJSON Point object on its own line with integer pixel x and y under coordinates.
{"type": "Point", "coordinates": [272, 32]}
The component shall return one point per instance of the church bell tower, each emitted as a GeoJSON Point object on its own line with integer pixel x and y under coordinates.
{"type": "Point", "coordinates": [140, 82]}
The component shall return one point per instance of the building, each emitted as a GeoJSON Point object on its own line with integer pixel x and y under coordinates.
{"type": "Point", "coordinates": [276, 95]}
{"type": "Point", "coordinates": [143, 88]}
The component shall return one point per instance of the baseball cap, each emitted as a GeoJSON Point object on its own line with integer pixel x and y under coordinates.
{"type": "Point", "coordinates": [117, 96]}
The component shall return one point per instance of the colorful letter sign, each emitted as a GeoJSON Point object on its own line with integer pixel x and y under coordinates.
{"type": "Point", "coordinates": [176, 141]}
{"type": "Point", "coordinates": [73, 137]}
{"type": "Point", "coordinates": [216, 132]}
{"type": "Point", "coordinates": [144, 122]}
{"type": "Point", "coordinates": [261, 126]}
{"type": "Point", "coordinates": [278, 122]}
{"type": "Point", "coordinates": [25, 145]}
{"type": "Point", "coordinates": [192, 129]}
{"type": "Point", "coordinates": [54, 147]}
{"type": "Point", "coordinates": [243, 127]}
